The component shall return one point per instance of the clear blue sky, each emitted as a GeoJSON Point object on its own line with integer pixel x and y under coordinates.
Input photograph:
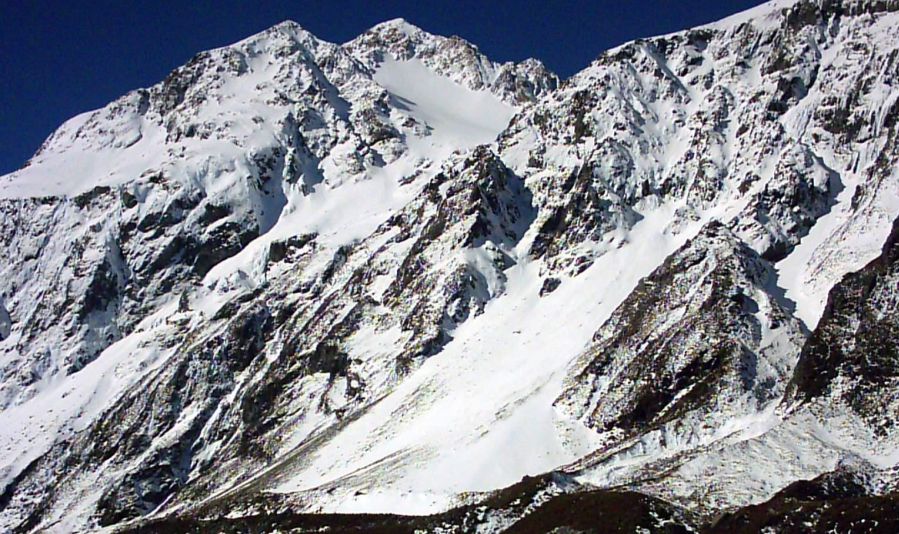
{"type": "Point", "coordinates": [60, 58]}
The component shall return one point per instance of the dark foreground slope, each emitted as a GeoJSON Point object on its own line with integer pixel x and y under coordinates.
{"type": "Point", "coordinates": [831, 503]}
{"type": "Point", "coordinates": [534, 505]}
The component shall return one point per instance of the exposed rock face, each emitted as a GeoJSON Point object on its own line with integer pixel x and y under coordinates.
{"type": "Point", "coordinates": [297, 280]}
{"type": "Point", "coordinates": [836, 502]}
{"type": "Point", "coordinates": [5, 321]}
{"type": "Point", "coordinates": [701, 340]}
{"type": "Point", "coordinates": [732, 107]}
{"type": "Point", "coordinates": [850, 365]}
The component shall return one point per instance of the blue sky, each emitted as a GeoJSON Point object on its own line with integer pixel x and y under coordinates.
{"type": "Point", "coordinates": [60, 58]}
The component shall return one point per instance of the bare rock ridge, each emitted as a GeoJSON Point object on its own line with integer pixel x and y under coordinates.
{"type": "Point", "coordinates": [392, 285]}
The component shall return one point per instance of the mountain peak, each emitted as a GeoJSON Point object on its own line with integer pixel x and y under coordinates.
{"type": "Point", "coordinates": [398, 24]}
{"type": "Point", "coordinates": [286, 25]}
{"type": "Point", "coordinates": [287, 28]}
{"type": "Point", "coordinates": [451, 57]}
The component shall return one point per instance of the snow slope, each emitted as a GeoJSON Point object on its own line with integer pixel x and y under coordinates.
{"type": "Point", "coordinates": [482, 408]}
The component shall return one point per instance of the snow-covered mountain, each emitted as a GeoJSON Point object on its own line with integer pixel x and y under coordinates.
{"type": "Point", "coordinates": [296, 281]}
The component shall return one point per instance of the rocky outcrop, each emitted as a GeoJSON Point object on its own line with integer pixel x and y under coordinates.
{"type": "Point", "coordinates": [837, 501]}
{"type": "Point", "coordinates": [850, 364]}
{"type": "Point", "coordinates": [704, 338]}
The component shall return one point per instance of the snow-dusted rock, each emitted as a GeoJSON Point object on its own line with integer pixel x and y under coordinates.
{"type": "Point", "coordinates": [393, 275]}
{"type": "Point", "coordinates": [703, 341]}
